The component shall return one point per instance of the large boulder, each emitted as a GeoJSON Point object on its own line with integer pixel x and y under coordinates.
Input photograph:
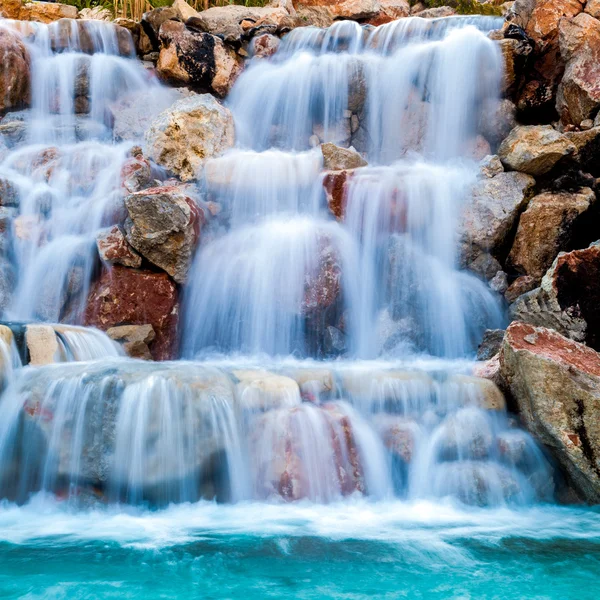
{"type": "Point", "coordinates": [235, 23]}
{"type": "Point", "coordinates": [164, 226]}
{"type": "Point", "coordinates": [534, 149]}
{"type": "Point", "coordinates": [390, 10]}
{"type": "Point", "coordinates": [491, 214]}
{"type": "Point", "coordinates": [555, 383]}
{"type": "Point", "coordinates": [540, 19]}
{"type": "Point", "coordinates": [15, 76]}
{"type": "Point", "coordinates": [568, 299]}
{"type": "Point", "coordinates": [545, 227]}
{"type": "Point", "coordinates": [114, 249]}
{"type": "Point", "coordinates": [189, 132]}
{"type": "Point", "coordinates": [336, 158]}
{"type": "Point", "coordinates": [47, 12]}
{"type": "Point", "coordinates": [199, 60]}
{"type": "Point", "coordinates": [578, 95]}
{"type": "Point", "coordinates": [123, 296]}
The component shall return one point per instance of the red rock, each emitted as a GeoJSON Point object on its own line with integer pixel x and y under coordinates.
{"type": "Point", "coordinates": [15, 77]}
{"type": "Point", "coordinates": [322, 286]}
{"type": "Point", "coordinates": [123, 296]}
{"type": "Point", "coordinates": [265, 45]}
{"type": "Point", "coordinates": [555, 383]}
{"type": "Point", "coordinates": [114, 249]}
{"type": "Point", "coordinates": [336, 190]}
{"type": "Point", "coordinates": [521, 285]}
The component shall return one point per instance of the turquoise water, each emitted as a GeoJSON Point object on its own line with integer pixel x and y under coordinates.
{"type": "Point", "coordinates": [348, 551]}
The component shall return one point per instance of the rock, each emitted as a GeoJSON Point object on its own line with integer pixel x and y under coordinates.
{"type": "Point", "coordinates": [399, 435]}
{"type": "Point", "coordinates": [465, 434]}
{"type": "Point", "coordinates": [96, 13]}
{"type": "Point", "coordinates": [123, 296]}
{"type": "Point", "coordinates": [515, 53]}
{"type": "Point", "coordinates": [190, 131]}
{"type": "Point", "coordinates": [140, 38]}
{"type": "Point", "coordinates": [136, 174]}
{"type": "Point", "coordinates": [568, 297]}
{"type": "Point", "coordinates": [225, 21]}
{"type": "Point", "coordinates": [482, 264]}
{"type": "Point", "coordinates": [264, 45]}
{"type": "Point", "coordinates": [184, 9]}
{"type": "Point", "coordinates": [199, 60]}
{"type": "Point", "coordinates": [114, 249]}
{"type": "Point", "coordinates": [593, 8]}
{"type": "Point", "coordinates": [545, 227]}
{"type": "Point", "coordinates": [134, 339]}
{"type": "Point", "coordinates": [490, 344]}
{"type": "Point", "coordinates": [335, 184]}
{"type": "Point", "coordinates": [338, 159]}
{"type": "Point", "coordinates": [578, 95]}
{"type": "Point", "coordinates": [477, 392]}
{"type": "Point", "coordinates": [489, 369]}
{"type": "Point", "coordinates": [153, 20]}
{"type": "Point", "coordinates": [164, 227]}
{"type": "Point", "coordinates": [490, 166]}
{"type": "Point", "coordinates": [42, 344]}
{"type": "Point", "coordinates": [492, 213]}
{"type": "Point", "coordinates": [521, 285]}
{"type": "Point", "coordinates": [534, 149]}
{"type": "Point", "coordinates": [390, 10]}
{"type": "Point", "coordinates": [323, 285]}
{"type": "Point", "coordinates": [47, 12]}
{"type": "Point", "coordinates": [499, 282]}
{"type": "Point", "coordinates": [556, 385]}
{"type": "Point", "coordinates": [437, 12]}
{"type": "Point", "coordinates": [10, 9]}
{"type": "Point", "coordinates": [15, 76]}
{"type": "Point", "coordinates": [334, 341]}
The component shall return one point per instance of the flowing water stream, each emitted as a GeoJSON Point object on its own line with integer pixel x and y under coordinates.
{"type": "Point", "coordinates": [321, 435]}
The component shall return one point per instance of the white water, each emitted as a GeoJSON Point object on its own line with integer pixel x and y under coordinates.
{"type": "Point", "coordinates": [276, 276]}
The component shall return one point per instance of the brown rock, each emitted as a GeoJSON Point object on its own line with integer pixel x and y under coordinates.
{"type": "Point", "coordinates": [134, 339]}
{"type": "Point", "coordinates": [556, 385]}
{"type": "Point", "coordinates": [437, 12]}
{"type": "Point", "coordinates": [15, 82]}
{"type": "Point", "coordinates": [593, 8]}
{"type": "Point", "coordinates": [114, 249]}
{"type": "Point", "coordinates": [125, 296]}
{"type": "Point", "coordinates": [336, 158]}
{"type": "Point", "coordinates": [534, 149]}
{"type": "Point", "coordinates": [199, 60]}
{"type": "Point", "coordinates": [336, 189]}
{"type": "Point", "coordinates": [544, 228]}
{"type": "Point", "coordinates": [265, 45]}
{"type": "Point", "coordinates": [521, 285]}
{"type": "Point", "coordinates": [164, 227]}
{"type": "Point", "coordinates": [47, 12]}
{"type": "Point", "coordinates": [578, 95]}
{"type": "Point", "coordinates": [10, 9]}
{"type": "Point", "coordinates": [390, 10]}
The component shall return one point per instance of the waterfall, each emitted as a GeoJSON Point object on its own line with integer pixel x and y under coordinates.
{"type": "Point", "coordinates": [325, 357]}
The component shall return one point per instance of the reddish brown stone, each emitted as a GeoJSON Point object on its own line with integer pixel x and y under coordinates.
{"type": "Point", "coordinates": [114, 249]}
{"type": "Point", "coordinates": [15, 78]}
{"type": "Point", "coordinates": [336, 190]}
{"type": "Point", "coordinates": [521, 285]}
{"type": "Point", "coordinates": [137, 297]}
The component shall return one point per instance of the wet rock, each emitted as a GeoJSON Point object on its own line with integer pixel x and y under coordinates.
{"type": "Point", "coordinates": [334, 341]}
{"type": "Point", "coordinates": [514, 53]}
{"type": "Point", "coordinates": [265, 45]}
{"type": "Point", "coordinates": [336, 184]}
{"type": "Point", "coordinates": [136, 174]}
{"type": "Point", "coordinates": [123, 296]}
{"type": "Point", "coordinates": [545, 227]}
{"type": "Point", "coordinates": [490, 166]}
{"type": "Point", "coordinates": [490, 344]}
{"type": "Point", "coordinates": [390, 10]}
{"type": "Point", "coordinates": [338, 159]}
{"type": "Point", "coordinates": [463, 435]}
{"type": "Point", "coordinates": [42, 344]}
{"type": "Point", "coordinates": [499, 282]}
{"type": "Point", "coordinates": [47, 12]}
{"type": "Point", "coordinates": [199, 60]}
{"type": "Point", "coordinates": [521, 285]}
{"type": "Point", "coordinates": [226, 21]}
{"type": "Point", "coordinates": [556, 385]}
{"type": "Point", "coordinates": [134, 339]}
{"type": "Point", "coordinates": [164, 227]}
{"type": "Point", "coordinates": [261, 391]}
{"type": "Point", "coordinates": [399, 435]}
{"type": "Point", "coordinates": [140, 38]}
{"type": "Point", "coordinates": [534, 149]}
{"type": "Point", "coordinates": [478, 392]}
{"type": "Point", "coordinates": [322, 286]}
{"type": "Point", "coordinates": [492, 213]}
{"type": "Point", "coordinates": [15, 83]}
{"type": "Point", "coordinates": [578, 95]}
{"type": "Point", "coordinates": [114, 249]}
{"type": "Point", "coordinates": [190, 131]}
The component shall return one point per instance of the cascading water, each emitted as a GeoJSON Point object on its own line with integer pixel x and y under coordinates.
{"type": "Point", "coordinates": [278, 278]}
